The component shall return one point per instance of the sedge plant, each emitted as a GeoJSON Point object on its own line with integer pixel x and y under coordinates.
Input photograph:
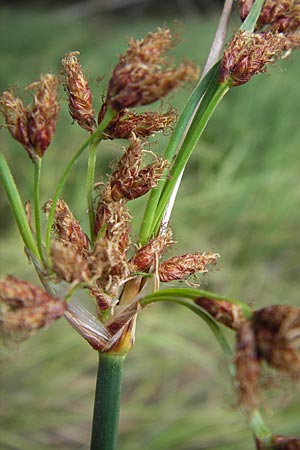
{"type": "Point", "coordinates": [100, 279]}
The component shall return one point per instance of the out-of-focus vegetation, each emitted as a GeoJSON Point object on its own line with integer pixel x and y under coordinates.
{"type": "Point", "coordinates": [240, 197]}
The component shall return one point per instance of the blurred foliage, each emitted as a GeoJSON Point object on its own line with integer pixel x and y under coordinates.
{"type": "Point", "coordinates": [240, 197]}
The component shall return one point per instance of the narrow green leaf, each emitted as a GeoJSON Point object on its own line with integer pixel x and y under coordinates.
{"type": "Point", "coordinates": [16, 205]}
{"type": "Point", "coordinates": [254, 13]}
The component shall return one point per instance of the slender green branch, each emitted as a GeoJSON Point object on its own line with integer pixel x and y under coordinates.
{"type": "Point", "coordinates": [37, 210]}
{"type": "Point", "coordinates": [174, 142]}
{"type": "Point", "coordinates": [17, 207]}
{"type": "Point", "coordinates": [153, 298]}
{"type": "Point", "coordinates": [97, 135]}
{"type": "Point", "coordinates": [193, 294]}
{"type": "Point", "coordinates": [107, 402]}
{"type": "Point", "coordinates": [212, 98]}
{"type": "Point", "coordinates": [90, 186]}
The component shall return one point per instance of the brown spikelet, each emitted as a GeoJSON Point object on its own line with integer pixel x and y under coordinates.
{"type": "Point", "coordinates": [229, 314]}
{"type": "Point", "coordinates": [283, 16]}
{"type": "Point", "coordinates": [146, 256]}
{"type": "Point", "coordinates": [277, 334]}
{"type": "Point", "coordinates": [16, 119]}
{"type": "Point", "coordinates": [103, 300]}
{"type": "Point", "coordinates": [248, 54]}
{"type": "Point", "coordinates": [69, 264]}
{"type": "Point", "coordinates": [244, 8]}
{"type": "Point", "coordinates": [143, 75]}
{"type": "Point", "coordinates": [128, 181]}
{"type": "Point", "coordinates": [142, 125]}
{"type": "Point", "coordinates": [113, 221]}
{"type": "Point", "coordinates": [285, 443]}
{"type": "Point", "coordinates": [247, 367]}
{"type": "Point", "coordinates": [67, 228]}
{"type": "Point", "coordinates": [79, 93]}
{"type": "Point", "coordinates": [181, 267]}
{"type": "Point", "coordinates": [43, 116]}
{"type": "Point", "coordinates": [25, 308]}
{"type": "Point", "coordinates": [113, 263]}
{"type": "Point", "coordinates": [34, 126]}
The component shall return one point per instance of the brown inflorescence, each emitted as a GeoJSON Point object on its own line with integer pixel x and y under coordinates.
{"type": "Point", "coordinates": [25, 308]}
{"type": "Point", "coordinates": [144, 75]}
{"type": "Point", "coordinates": [229, 314]}
{"type": "Point", "coordinates": [129, 181]}
{"type": "Point", "coordinates": [244, 8]}
{"type": "Point", "coordinates": [283, 15]}
{"type": "Point", "coordinates": [79, 93]}
{"type": "Point", "coordinates": [285, 443]}
{"type": "Point", "coordinates": [16, 118]}
{"type": "Point", "coordinates": [43, 116]}
{"type": "Point", "coordinates": [277, 336]}
{"type": "Point", "coordinates": [146, 256]}
{"type": "Point", "coordinates": [142, 125]}
{"type": "Point", "coordinates": [248, 54]}
{"type": "Point", "coordinates": [247, 367]}
{"type": "Point", "coordinates": [66, 228]}
{"type": "Point", "coordinates": [33, 126]}
{"type": "Point", "coordinates": [181, 267]}
{"type": "Point", "coordinates": [271, 335]}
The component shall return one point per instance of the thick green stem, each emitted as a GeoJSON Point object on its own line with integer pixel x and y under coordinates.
{"type": "Point", "coordinates": [90, 185]}
{"type": "Point", "coordinates": [37, 212]}
{"type": "Point", "coordinates": [107, 402]}
{"type": "Point", "coordinates": [97, 135]}
{"type": "Point", "coordinates": [17, 207]}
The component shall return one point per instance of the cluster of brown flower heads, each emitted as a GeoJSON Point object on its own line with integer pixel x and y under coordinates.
{"type": "Point", "coordinates": [102, 263]}
{"type": "Point", "coordinates": [277, 33]}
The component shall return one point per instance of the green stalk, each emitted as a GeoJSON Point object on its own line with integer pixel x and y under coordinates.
{"type": "Point", "coordinates": [196, 309]}
{"type": "Point", "coordinates": [193, 294]}
{"type": "Point", "coordinates": [212, 98]}
{"type": "Point", "coordinates": [90, 186]}
{"type": "Point", "coordinates": [37, 212]}
{"type": "Point", "coordinates": [107, 402]}
{"type": "Point", "coordinates": [260, 429]}
{"type": "Point", "coordinates": [17, 207]}
{"type": "Point", "coordinates": [174, 142]}
{"type": "Point", "coordinates": [109, 115]}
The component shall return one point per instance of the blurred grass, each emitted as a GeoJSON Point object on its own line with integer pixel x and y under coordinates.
{"type": "Point", "coordinates": [240, 197]}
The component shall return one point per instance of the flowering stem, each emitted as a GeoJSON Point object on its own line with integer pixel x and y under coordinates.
{"type": "Point", "coordinates": [90, 185]}
{"type": "Point", "coordinates": [96, 135]}
{"type": "Point", "coordinates": [212, 98]}
{"type": "Point", "coordinates": [37, 212]}
{"type": "Point", "coordinates": [17, 207]}
{"type": "Point", "coordinates": [107, 401]}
